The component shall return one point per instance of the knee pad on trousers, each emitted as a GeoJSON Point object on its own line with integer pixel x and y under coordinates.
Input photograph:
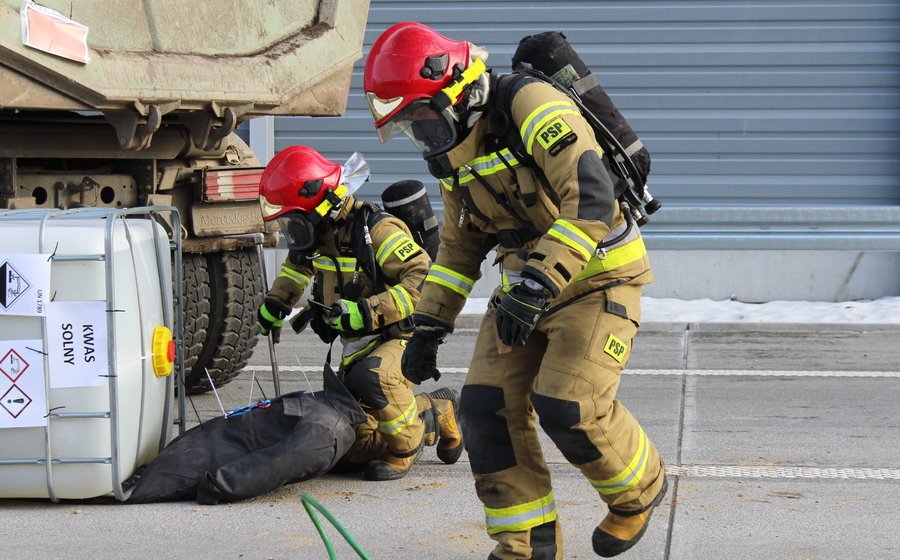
{"type": "Point", "coordinates": [485, 432]}
{"type": "Point", "coordinates": [363, 383]}
{"type": "Point", "coordinates": [557, 418]}
{"type": "Point", "coordinates": [543, 542]}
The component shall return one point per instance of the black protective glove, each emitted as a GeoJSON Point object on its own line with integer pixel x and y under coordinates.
{"type": "Point", "coordinates": [302, 320]}
{"type": "Point", "coordinates": [314, 316]}
{"type": "Point", "coordinates": [419, 360]}
{"type": "Point", "coordinates": [520, 310]}
{"type": "Point", "coordinates": [271, 316]}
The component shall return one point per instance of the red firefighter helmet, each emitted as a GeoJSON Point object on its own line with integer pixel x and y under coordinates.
{"type": "Point", "coordinates": [298, 188]}
{"type": "Point", "coordinates": [297, 178]}
{"type": "Point", "coordinates": [408, 66]}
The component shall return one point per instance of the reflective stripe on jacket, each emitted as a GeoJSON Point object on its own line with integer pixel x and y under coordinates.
{"type": "Point", "coordinates": [570, 209]}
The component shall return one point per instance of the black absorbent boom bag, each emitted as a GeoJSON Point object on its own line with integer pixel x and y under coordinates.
{"type": "Point", "coordinates": [298, 436]}
{"type": "Point", "coordinates": [551, 54]}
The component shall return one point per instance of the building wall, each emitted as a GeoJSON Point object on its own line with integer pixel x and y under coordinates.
{"type": "Point", "coordinates": [744, 107]}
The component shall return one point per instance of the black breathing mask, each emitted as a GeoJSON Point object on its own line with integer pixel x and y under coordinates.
{"type": "Point", "coordinates": [303, 231]}
{"type": "Point", "coordinates": [440, 167]}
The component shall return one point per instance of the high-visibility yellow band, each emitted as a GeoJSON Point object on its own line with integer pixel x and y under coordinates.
{"type": "Point", "coordinates": [347, 264]}
{"type": "Point", "coordinates": [365, 349]}
{"type": "Point", "coordinates": [487, 165]}
{"type": "Point", "coordinates": [402, 299]}
{"type": "Point", "coordinates": [521, 517]}
{"type": "Point", "coordinates": [400, 423]}
{"type": "Point", "coordinates": [615, 258]}
{"type": "Point", "coordinates": [264, 311]}
{"type": "Point", "coordinates": [484, 165]}
{"type": "Point", "coordinates": [393, 241]}
{"type": "Point", "coordinates": [631, 475]}
{"type": "Point", "coordinates": [455, 281]}
{"type": "Point", "coordinates": [541, 116]}
{"type": "Point", "coordinates": [572, 236]}
{"type": "Point", "coordinates": [295, 276]}
{"type": "Point", "coordinates": [509, 278]}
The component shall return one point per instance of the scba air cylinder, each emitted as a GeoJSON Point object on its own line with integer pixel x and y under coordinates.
{"type": "Point", "coordinates": [408, 200]}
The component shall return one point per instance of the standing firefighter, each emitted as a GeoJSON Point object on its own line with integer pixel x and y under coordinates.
{"type": "Point", "coordinates": [366, 273]}
{"type": "Point", "coordinates": [559, 330]}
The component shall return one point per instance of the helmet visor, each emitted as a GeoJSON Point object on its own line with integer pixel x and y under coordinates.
{"type": "Point", "coordinates": [300, 230]}
{"type": "Point", "coordinates": [269, 210]}
{"type": "Point", "coordinates": [432, 132]}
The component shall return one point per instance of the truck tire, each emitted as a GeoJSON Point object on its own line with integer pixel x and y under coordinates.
{"type": "Point", "coordinates": [196, 309]}
{"type": "Point", "coordinates": [223, 292]}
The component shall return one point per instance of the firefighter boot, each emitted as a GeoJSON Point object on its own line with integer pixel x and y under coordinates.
{"type": "Point", "coordinates": [429, 415]}
{"type": "Point", "coordinates": [450, 442]}
{"type": "Point", "coordinates": [391, 467]}
{"type": "Point", "coordinates": [617, 533]}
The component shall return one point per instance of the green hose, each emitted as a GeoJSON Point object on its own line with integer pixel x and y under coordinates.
{"type": "Point", "coordinates": [309, 503]}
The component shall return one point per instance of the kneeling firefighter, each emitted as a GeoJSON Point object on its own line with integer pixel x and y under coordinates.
{"type": "Point", "coordinates": [366, 273]}
{"type": "Point", "coordinates": [559, 329]}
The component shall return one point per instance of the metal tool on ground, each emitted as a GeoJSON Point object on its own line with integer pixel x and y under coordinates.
{"type": "Point", "coordinates": [258, 239]}
{"type": "Point", "coordinates": [215, 392]}
{"type": "Point", "coordinates": [276, 377]}
{"type": "Point", "coordinates": [308, 384]}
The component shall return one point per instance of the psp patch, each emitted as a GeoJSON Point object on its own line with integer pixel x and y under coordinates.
{"type": "Point", "coordinates": [407, 250]}
{"type": "Point", "coordinates": [615, 348]}
{"type": "Point", "coordinates": [554, 133]}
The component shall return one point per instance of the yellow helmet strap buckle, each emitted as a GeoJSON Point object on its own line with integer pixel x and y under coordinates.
{"type": "Point", "coordinates": [333, 200]}
{"type": "Point", "coordinates": [450, 95]}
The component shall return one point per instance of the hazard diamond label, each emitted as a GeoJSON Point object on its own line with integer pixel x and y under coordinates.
{"type": "Point", "coordinates": [14, 401]}
{"type": "Point", "coordinates": [12, 285]}
{"type": "Point", "coordinates": [23, 384]}
{"type": "Point", "coordinates": [12, 365]}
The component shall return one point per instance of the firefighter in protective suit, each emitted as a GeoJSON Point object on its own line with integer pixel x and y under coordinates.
{"type": "Point", "coordinates": [559, 330]}
{"type": "Point", "coordinates": [366, 273]}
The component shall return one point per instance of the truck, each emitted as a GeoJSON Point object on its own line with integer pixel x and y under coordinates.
{"type": "Point", "coordinates": [144, 113]}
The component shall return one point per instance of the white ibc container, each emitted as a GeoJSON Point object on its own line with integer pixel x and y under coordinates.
{"type": "Point", "coordinates": [96, 436]}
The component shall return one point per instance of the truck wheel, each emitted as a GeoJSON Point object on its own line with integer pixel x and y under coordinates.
{"type": "Point", "coordinates": [223, 291]}
{"type": "Point", "coordinates": [196, 310]}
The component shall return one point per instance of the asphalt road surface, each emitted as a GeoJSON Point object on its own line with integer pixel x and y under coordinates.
{"type": "Point", "coordinates": [793, 458]}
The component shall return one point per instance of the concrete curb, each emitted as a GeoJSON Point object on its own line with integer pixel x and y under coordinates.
{"type": "Point", "coordinates": [760, 346]}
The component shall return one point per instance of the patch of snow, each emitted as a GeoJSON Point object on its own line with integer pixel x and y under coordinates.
{"type": "Point", "coordinates": [669, 310]}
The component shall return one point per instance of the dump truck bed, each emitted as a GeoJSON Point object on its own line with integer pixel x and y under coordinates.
{"type": "Point", "coordinates": [287, 57]}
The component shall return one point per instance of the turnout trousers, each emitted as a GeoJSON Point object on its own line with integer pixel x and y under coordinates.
{"type": "Point", "coordinates": [394, 414]}
{"type": "Point", "coordinates": [565, 378]}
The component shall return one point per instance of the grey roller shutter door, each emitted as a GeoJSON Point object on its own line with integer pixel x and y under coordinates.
{"type": "Point", "coordinates": [740, 104]}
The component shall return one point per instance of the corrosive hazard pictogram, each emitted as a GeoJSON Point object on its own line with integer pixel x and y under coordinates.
{"type": "Point", "coordinates": [14, 401]}
{"type": "Point", "coordinates": [12, 285]}
{"type": "Point", "coordinates": [12, 365]}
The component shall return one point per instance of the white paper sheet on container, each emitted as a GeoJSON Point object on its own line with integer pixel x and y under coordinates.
{"type": "Point", "coordinates": [76, 343]}
{"type": "Point", "coordinates": [50, 31]}
{"type": "Point", "coordinates": [24, 283]}
{"type": "Point", "coordinates": [23, 396]}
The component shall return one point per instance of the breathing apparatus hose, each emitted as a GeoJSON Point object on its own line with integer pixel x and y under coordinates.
{"type": "Point", "coordinates": [367, 236]}
{"type": "Point", "coordinates": [309, 503]}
